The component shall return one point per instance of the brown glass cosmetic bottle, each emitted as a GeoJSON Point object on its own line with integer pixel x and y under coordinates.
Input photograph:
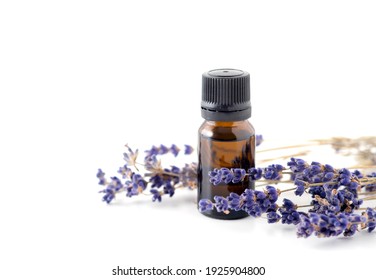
{"type": "Point", "coordinates": [226, 138]}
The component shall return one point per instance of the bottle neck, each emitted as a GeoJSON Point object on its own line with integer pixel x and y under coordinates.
{"type": "Point", "coordinates": [226, 124]}
{"type": "Point", "coordinates": [226, 116]}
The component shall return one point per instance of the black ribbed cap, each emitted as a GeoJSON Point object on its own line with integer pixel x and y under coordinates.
{"type": "Point", "coordinates": [226, 95]}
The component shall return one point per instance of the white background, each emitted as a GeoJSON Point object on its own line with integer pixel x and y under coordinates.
{"type": "Point", "coordinates": [79, 79]}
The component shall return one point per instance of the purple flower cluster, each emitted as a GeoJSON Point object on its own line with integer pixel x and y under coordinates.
{"type": "Point", "coordinates": [289, 215]}
{"type": "Point", "coordinates": [225, 175]}
{"type": "Point", "coordinates": [322, 225]}
{"type": "Point", "coordinates": [371, 187]}
{"type": "Point", "coordinates": [160, 180]}
{"type": "Point", "coordinates": [327, 225]}
{"type": "Point", "coordinates": [133, 185]}
{"type": "Point", "coordinates": [162, 150]}
{"type": "Point", "coordinates": [273, 172]}
{"type": "Point", "coordinates": [254, 202]}
{"type": "Point", "coordinates": [304, 174]}
{"type": "Point", "coordinates": [166, 179]}
{"type": "Point", "coordinates": [310, 176]}
{"type": "Point", "coordinates": [205, 205]}
{"type": "Point", "coordinates": [235, 175]}
{"type": "Point", "coordinates": [370, 215]}
{"type": "Point", "coordinates": [335, 201]}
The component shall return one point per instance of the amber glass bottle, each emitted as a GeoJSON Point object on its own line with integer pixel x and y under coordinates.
{"type": "Point", "coordinates": [226, 138]}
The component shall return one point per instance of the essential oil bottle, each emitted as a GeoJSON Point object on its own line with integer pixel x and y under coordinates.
{"type": "Point", "coordinates": [226, 138]}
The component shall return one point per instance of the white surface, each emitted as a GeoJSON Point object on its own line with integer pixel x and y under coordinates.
{"type": "Point", "coordinates": [79, 79]}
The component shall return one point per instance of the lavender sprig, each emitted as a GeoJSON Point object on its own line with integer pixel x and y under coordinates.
{"type": "Point", "coordinates": [327, 225]}
{"type": "Point", "coordinates": [254, 202]}
{"type": "Point", "coordinates": [235, 175]}
{"type": "Point", "coordinates": [307, 177]}
{"type": "Point", "coordinates": [158, 180]}
{"type": "Point", "coordinates": [334, 194]}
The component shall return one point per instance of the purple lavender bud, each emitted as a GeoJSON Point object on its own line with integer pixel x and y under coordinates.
{"type": "Point", "coordinates": [345, 172]}
{"type": "Point", "coordinates": [259, 140]}
{"type": "Point", "coordinates": [255, 173]}
{"type": "Point", "coordinates": [345, 181]}
{"type": "Point", "coordinates": [371, 219]}
{"type": "Point", "coordinates": [328, 168]}
{"type": "Point", "coordinates": [168, 188]}
{"type": "Point", "coordinates": [273, 217]}
{"type": "Point", "coordinates": [299, 190]}
{"type": "Point", "coordinates": [300, 187]}
{"type": "Point", "coordinates": [353, 187]}
{"type": "Point", "coordinates": [273, 172]}
{"type": "Point", "coordinates": [125, 172]}
{"type": "Point", "coordinates": [162, 150]}
{"type": "Point", "coordinates": [115, 183]}
{"type": "Point", "coordinates": [272, 194]}
{"type": "Point", "coordinates": [315, 169]}
{"type": "Point", "coordinates": [188, 149]}
{"type": "Point", "coordinates": [151, 162]}
{"type": "Point", "coordinates": [317, 190]}
{"type": "Point", "coordinates": [205, 205]}
{"type": "Point", "coordinates": [330, 225]}
{"type": "Point", "coordinates": [227, 175]}
{"type": "Point", "coordinates": [357, 219]}
{"type": "Point", "coordinates": [109, 195]}
{"type": "Point", "coordinates": [291, 217]}
{"type": "Point", "coordinates": [221, 203]}
{"type": "Point", "coordinates": [273, 207]}
{"type": "Point", "coordinates": [260, 195]}
{"type": "Point", "coordinates": [100, 176]}
{"type": "Point", "coordinates": [138, 181]}
{"type": "Point", "coordinates": [305, 227]}
{"type": "Point", "coordinates": [358, 174]}
{"type": "Point", "coordinates": [288, 213]}
{"type": "Point", "coordinates": [234, 201]}
{"type": "Point", "coordinates": [131, 190]}
{"type": "Point", "coordinates": [248, 198]}
{"type": "Point", "coordinates": [100, 173]}
{"type": "Point", "coordinates": [156, 181]}
{"type": "Point", "coordinates": [254, 211]}
{"type": "Point", "coordinates": [238, 175]}
{"type": "Point", "coordinates": [371, 187]}
{"type": "Point", "coordinates": [175, 169]}
{"type": "Point", "coordinates": [152, 152]}
{"type": "Point", "coordinates": [328, 176]}
{"type": "Point", "coordinates": [288, 204]}
{"type": "Point", "coordinates": [156, 195]}
{"type": "Point", "coordinates": [315, 218]}
{"type": "Point", "coordinates": [351, 230]}
{"type": "Point", "coordinates": [215, 176]}
{"type": "Point", "coordinates": [297, 165]}
{"type": "Point", "coordinates": [174, 150]}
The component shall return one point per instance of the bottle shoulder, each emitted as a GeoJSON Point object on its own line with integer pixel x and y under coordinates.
{"type": "Point", "coordinates": [227, 131]}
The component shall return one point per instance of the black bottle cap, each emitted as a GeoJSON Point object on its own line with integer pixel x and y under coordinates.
{"type": "Point", "coordinates": [226, 95]}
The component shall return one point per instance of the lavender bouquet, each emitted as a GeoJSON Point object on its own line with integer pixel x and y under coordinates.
{"type": "Point", "coordinates": [337, 195]}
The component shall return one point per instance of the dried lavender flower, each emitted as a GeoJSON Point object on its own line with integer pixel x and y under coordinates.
{"type": "Point", "coordinates": [168, 179]}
